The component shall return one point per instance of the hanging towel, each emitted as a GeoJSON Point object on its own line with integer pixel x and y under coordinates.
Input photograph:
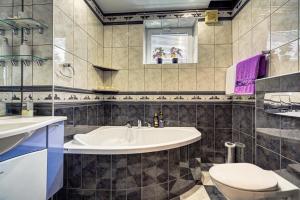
{"type": "Point", "coordinates": [247, 72]}
{"type": "Point", "coordinates": [230, 79]}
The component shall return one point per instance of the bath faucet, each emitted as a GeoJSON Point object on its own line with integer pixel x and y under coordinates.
{"type": "Point", "coordinates": [128, 124]}
{"type": "Point", "coordinates": [148, 124]}
{"type": "Point", "coordinates": [139, 124]}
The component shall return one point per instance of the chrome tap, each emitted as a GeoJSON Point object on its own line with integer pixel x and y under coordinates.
{"type": "Point", "coordinates": [148, 124]}
{"type": "Point", "coordinates": [139, 124]}
{"type": "Point", "coordinates": [128, 124]}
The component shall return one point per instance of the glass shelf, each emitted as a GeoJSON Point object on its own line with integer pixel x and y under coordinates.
{"type": "Point", "coordinates": [25, 58]}
{"type": "Point", "coordinates": [5, 26]}
{"type": "Point", "coordinates": [105, 68]}
{"type": "Point", "coordinates": [19, 23]}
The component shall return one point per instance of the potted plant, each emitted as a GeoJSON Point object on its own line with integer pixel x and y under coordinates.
{"type": "Point", "coordinates": [158, 54]}
{"type": "Point", "coordinates": [175, 52]}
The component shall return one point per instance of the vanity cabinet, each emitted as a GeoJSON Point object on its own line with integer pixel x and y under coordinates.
{"type": "Point", "coordinates": [34, 168]}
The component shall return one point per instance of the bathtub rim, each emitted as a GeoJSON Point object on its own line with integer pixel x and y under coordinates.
{"type": "Point", "coordinates": [72, 148]}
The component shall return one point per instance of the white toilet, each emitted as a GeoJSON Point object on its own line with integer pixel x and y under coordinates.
{"type": "Point", "coordinates": [244, 181]}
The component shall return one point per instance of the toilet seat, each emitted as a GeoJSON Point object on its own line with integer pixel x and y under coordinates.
{"type": "Point", "coordinates": [244, 176]}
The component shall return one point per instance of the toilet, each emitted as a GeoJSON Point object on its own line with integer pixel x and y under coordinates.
{"type": "Point", "coordinates": [244, 181]}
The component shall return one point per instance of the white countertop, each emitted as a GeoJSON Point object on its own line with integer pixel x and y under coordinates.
{"type": "Point", "coordinates": [15, 125]}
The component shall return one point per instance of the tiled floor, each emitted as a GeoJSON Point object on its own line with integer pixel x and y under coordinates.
{"type": "Point", "coordinates": [207, 191]}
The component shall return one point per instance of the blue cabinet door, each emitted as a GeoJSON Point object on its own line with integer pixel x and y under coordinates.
{"type": "Point", "coordinates": [55, 158]}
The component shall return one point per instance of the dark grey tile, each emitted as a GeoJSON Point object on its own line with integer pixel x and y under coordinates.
{"type": "Point", "coordinates": [181, 185]}
{"type": "Point", "coordinates": [290, 83]}
{"type": "Point", "coordinates": [187, 115]}
{"type": "Point", "coordinates": [162, 191]}
{"type": "Point", "coordinates": [272, 84]}
{"type": "Point", "coordinates": [236, 110]}
{"type": "Point", "coordinates": [289, 171]}
{"type": "Point", "coordinates": [134, 194]}
{"type": "Point", "coordinates": [148, 192]}
{"type": "Point", "coordinates": [148, 169]}
{"type": "Point", "coordinates": [207, 144]}
{"type": "Point", "coordinates": [100, 114]}
{"type": "Point", "coordinates": [265, 120]}
{"type": "Point", "coordinates": [268, 141]}
{"type": "Point", "coordinates": [248, 151]}
{"type": "Point", "coordinates": [74, 170]}
{"type": "Point", "coordinates": [222, 136]}
{"type": "Point", "coordinates": [290, 149]}
{"type": "Point", "coordinates": [205, 115]}
{"type": "Point", "coordinates": [92, 115]}
{"type": "Point", "coordinates": [267, 159]}
{"type": "Point", "coordinates": [65, 111]}
{"type": "Point", "coordinates": [223, 116]}
{"type": "Point", "coordinates": [162, 166]}
{"type": "Point", "coordinates": [80, 115]}
{"type": "Point", "coordinates": [246, 120]}
{"type": "Point", "coordinates": [119, 113]}
{"type": "Point", "coordinates": [235, 136]}
{"type": "Point", "coordinates": [103, 195]}
{"type": "Point", "coordinates": [174, 163]}
{"type": "Point", "coordinates": [107, 114]}
{"type": "Point", "coordinates": [184, 160]}
{"type": "Point", "coordinates": [170, 111]}
{"type": "Point", "coordinates": [150, 110]}
{"type": "Point", "coordinates": [134, 171]}
{"type": "Point", "coordinates": [214, 193]}
{"type": "Point", "coordinates": [136, 111]}
{"type": "Point", "coordinates": [119, 172]}
{"type": "Point", "coordinates": [75, 194]}
{"type": "Point", "coordinates": [104, 172]}
{"type": "Point", "coordinates": [118, 195]}
{"type": "Point", "coordinates": [89, 163]}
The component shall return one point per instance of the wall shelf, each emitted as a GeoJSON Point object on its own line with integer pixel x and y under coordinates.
{"type": "Point", "coordinates": [105, 68]}
{"type": "Point", "coordinates": [22, 23]}
{"type": "Point", "coordinates": [14, 59]}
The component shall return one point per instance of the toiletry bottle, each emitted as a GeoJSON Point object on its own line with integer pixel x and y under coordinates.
{"type": "Point", "coordinates": [27, 109]}
{"type": "Point", "coordinates": [161, 120]}
{"type": "Point", "coordinates": [155, 121]}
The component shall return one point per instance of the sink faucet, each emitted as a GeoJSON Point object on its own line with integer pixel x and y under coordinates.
{"type": "Point", "coordinates": [148, 124]}
{"type": "Point", "coordinates": [139, 124]}
{"type": "Point", "coordinates": [128, 124]}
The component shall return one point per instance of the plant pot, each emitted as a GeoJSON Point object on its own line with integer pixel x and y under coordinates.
{"type": "Point", "coordinates": [159, 60]}
{"type": "Point", "coordinates": [174, 60]}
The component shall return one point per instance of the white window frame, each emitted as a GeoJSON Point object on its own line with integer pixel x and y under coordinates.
{"type": "Point", "coordinates": [158, 31]}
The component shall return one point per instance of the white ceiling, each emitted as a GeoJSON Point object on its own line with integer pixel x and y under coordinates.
{"type": "Point", "coordinates": [124, 6]}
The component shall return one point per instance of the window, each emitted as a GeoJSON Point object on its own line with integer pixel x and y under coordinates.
{"type": "Point", "coordinates": [170, 43]}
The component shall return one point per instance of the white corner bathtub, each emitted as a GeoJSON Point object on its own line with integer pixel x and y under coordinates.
{"type": "Point", "coordinates": [123, 140]}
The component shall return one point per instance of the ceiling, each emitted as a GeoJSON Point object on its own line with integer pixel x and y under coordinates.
{"type": "Point", "coordinates": [131, 6]}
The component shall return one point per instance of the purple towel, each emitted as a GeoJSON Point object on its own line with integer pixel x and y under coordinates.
{"type": "Point", "coordinates": [247, 72]}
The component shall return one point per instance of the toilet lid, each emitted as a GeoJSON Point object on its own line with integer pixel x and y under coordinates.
{"type": "Point", "coordinates": [244, 176]}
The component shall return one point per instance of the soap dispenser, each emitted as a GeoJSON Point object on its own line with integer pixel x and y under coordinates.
{"type": "Point", "coordinates": [155, 121]}
{"type": "Point", "coordinates": [161, 120]}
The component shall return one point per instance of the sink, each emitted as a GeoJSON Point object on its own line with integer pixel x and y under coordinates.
{"type": "Point", "coordinates": [11, 125]}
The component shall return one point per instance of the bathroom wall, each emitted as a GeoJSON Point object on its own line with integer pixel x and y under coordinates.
{"type": "Point", "coordinates": [34, 75]}
{"type": "Point", "coordinates": [277, 137]}
{"type": "Point", "coordinates": [123, 49]}
{"type": "Point", "coordinates": [78, 40]}
{"type": "Point", "coordinates": [268, 25]}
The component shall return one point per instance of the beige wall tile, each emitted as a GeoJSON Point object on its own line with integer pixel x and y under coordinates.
{"type": "Point", "coordinates": [120, 80]}
{"type": "Point", "coordinates": [223, 55]}
{"type": "Point", "coordinates": [206, 56]}
{"type": "Point", "coordinates": [120, 58]}
{"type": "Point", "coordinates": [188, 65]}
{"type": "Point", "coordinates": [43, 75]}
{"type": "Point", "coordinates": [120, 36]}
{"type": "Point", "coordinates": [170, 79]}
{"type": "Point", "coordinates": [80, 75]}
{"type": "Point", "coordinates": [261, 37]}
{"type": "Point", "coordinates": [245, 49]}
{"type": "Point", "coordinates": [107, 59]}
{"type": "Point", "coordinates": [67, 6]}
{"type": "Point", "coordinates": [260, 10]}
{"type": "Point", "coordinates": [235, 28]}
{"type": "Point", "coordinates": [100, 33]}
{"type": "Point", "coordinates": [62, 76]}
{"type": "Point", "coordinates": [245, 19]}
{"type": "Point", "coordinates": [80, 14]}
{"type": "Point", "coordinates": [80, 43]}
{"type": "Point", "coordinates": [153, 79]}
{"type": "Point", "coordinates": [284, 60]}
{"type": "Point", "coordinates": [92, 77]}
{"type": "Point", "coordinates": [63, 26]}
{"type": "Point", "coordinates": [92, 25]}
{"type": "Point", "coordinates": [107, 36]}
{"type": "Point", "coordinates": [284, 24]}
{"type": "Point", "coordinates": [275, 4]}
{"type": "Point", "coordinates": [172, 66]}
{"type": "Point", "coordinates": [100, 55]}
{"type": "Point", "coordinates": [206, 33]}
{"type": "Point", "coordinates": [136, 80]}
{"type": "Point", "coordinates": [220, 79]}
{"type": "Point", "coordinates": [92, 51]}
{"type": "Point", "coordinates": [135, 57]}
{"type": "Point", "coordinates": [136, 35]}
{"type": "Point", "coordinates": [187, 79]}
{"type": "Point", "coordinates": [205, 79]}
{"type": "Point", "coordinates": [235, 52]}
{"type": "Point", "coordinates": [107, 78]}
{"type": "Point", "coordinates": [223, 32]}
{"type": "Point", "coordinates": [152, 66]}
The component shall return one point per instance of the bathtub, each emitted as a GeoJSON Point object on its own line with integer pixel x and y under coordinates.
{"type": "Point", "coordinates": [123, 140]}
{"type": "Point", "coordinates": [133, 163]}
